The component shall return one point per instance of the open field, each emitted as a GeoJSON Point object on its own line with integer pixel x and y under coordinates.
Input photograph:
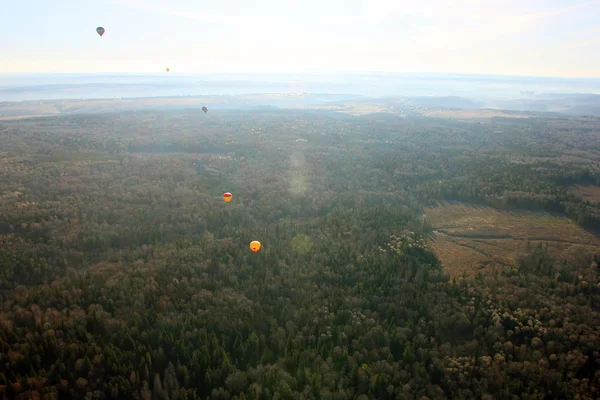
{"type": "Point", "coordinates": [588, 192]}
{"type": "Point", "coordinates": [26, 116]}
{"type": "Point", "coordinates": [28, 109]}
{"type": "Point", "coordinates": [472, 114]}
{"type": "Point", "coordinates": [348, 108]}
{"type": "Point", "coordinates": [319, 107]}
{"type": "Point", "coordinates": [56, 107]}
{"type": "Point", "coordinates": [468, 238]}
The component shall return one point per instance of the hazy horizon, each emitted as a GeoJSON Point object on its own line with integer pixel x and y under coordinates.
{"type": "Point", "coordinates": [52, 86]}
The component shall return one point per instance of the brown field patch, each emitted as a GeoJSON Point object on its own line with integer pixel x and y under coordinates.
{"type": "Point", "coordinates": [469, 238]}
{"type": "Point", "coordinates": [317, 107]}
{"type": "Point", "coordinates": [587, 192]}
{"type": "Point", "coordinates": [27, 109]}
{"type": "Point", "coordinates": [31, 109]}
{"type": "Point", "coordinates": [348, 108]}
{"type": "Point", "coordinates": [472, 114]}
{"type": "Point", "coordinates": [19, 117]}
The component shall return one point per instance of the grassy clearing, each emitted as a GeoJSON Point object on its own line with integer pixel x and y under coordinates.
{"type": "Point", "coordinates": [472, 114]}
{"type": "Point", "coordinates": [348, 108]}
{"type": "Point", "coordinates": [71, 157]}
{"type": "Point", "coordinates": [317, 107]}
{"type": "Point", "coordinates": [588, 192]}
{"type": "Point", "coordinates": [468, 238]}
{"type": "Point", "coordinates": [31, 109]}
{"type": "Point", "coordinates": [20, 117]}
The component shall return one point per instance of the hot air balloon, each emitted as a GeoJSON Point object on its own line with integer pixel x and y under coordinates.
{"type": "Point", "coordinates": [168, 69]}
{"type": "Point", "coordinates": [227, 198]}
{"type": "Point", "coordinates": [205, 109]}
{"type": "Point", "coordinates": [100, 31]}
{"type": "Point", "coordinates": [255, 246]}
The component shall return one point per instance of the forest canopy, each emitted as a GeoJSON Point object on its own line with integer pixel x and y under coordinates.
{"type": "Point", "coordinates": [124, 274]}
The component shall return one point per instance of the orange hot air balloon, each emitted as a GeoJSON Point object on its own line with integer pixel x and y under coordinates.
{"type": "Point", "coordinates": [255, 246]}
{"type": "Point", "coordinates": [227, 197]}
{"type": "Point", "coordinates": [100, 31]}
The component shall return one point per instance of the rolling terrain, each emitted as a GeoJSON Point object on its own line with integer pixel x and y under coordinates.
{"type": "Point", "coordinates": [427, 106]}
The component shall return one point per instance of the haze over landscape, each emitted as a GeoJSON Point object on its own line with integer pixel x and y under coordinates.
{"type": "Point", "coordinates": [300, 200]}
{"type": "Point", "coordinates": [517, 50]}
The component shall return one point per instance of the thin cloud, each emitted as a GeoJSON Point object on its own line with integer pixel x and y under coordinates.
{"type": "Point", "coordinates": [254, 27]}
{"type": "Point", "coordinates": [249, 20]}
{"type": "Point", "coordinates": [585, 43]}
{"type": "Point", "coordinates": [198, 16]}
{"type": "Point", "coordinates": [373, 11]}
{"type": "Point", "coordinates": [455, 37]}
{"type": "Point", "coordinates": [440, 11]}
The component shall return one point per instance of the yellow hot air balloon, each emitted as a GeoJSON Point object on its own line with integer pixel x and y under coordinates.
{"type": "Point", "coordinates": [255, 246]}
{"type": "Point", "coordinates": [227, 197]}
{"type": "Point", "coordinates": [168, 69]}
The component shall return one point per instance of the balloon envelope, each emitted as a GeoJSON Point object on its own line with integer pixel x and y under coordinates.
{"type": "Point", "coordinates": [255, 246]}
{"type": "Point", "coordinates": [205, 109]}
{"type": "Point", "coordinates": [100, 31]}
{"type": "Point", "coordinates": [168, 69]}
{"type": "Point", "coordinates": [227, 197]}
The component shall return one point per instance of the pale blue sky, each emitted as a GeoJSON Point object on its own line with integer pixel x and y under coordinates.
{"type": "Point", "coordinates": [521, 37]}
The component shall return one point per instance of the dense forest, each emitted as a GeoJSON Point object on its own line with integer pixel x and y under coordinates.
{"type": "Point", "coordinates": [124, 274]}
